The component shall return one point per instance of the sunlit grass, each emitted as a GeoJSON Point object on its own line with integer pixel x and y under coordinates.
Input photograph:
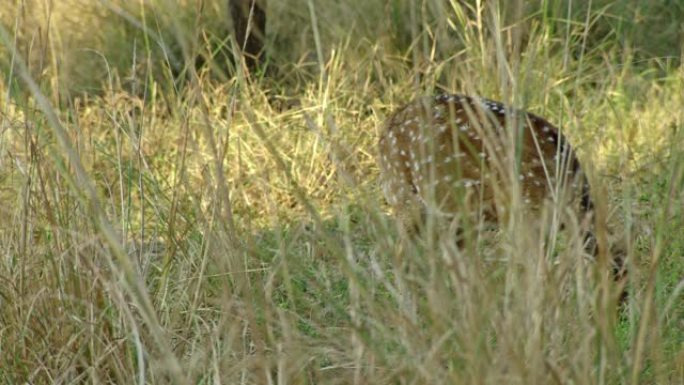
{"type": "Point", "coordinates": [236, 233]}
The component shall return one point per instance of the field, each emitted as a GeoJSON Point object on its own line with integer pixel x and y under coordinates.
{"type": "Point", "coordinates": [168, 215]}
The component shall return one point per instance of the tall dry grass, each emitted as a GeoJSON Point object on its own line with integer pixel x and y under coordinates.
{"type": "Point", "coordinates": [169, 220]}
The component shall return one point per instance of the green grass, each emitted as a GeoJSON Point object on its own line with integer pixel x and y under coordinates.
{"type": "Point", "coordinates": [162, 223]}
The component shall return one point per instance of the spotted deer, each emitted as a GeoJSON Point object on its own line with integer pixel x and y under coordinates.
{"type": "Point", "coordinates": [453, 155]}
{"type": "Point", "coordinates": [456, 154]}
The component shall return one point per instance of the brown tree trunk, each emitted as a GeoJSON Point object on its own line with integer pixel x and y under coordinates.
{"type": "Point", "coordinates": [249, 21]}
